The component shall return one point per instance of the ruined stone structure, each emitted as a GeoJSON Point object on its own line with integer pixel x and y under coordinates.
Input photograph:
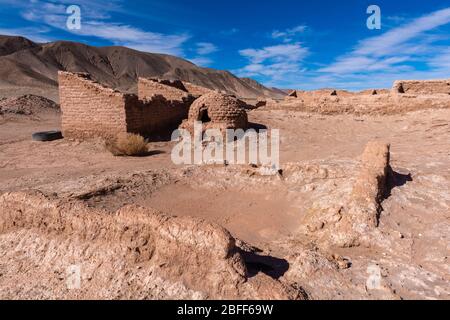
{"type": "Point", "coordinates": [404, 96]}
{"type": "Point", "coordinates": [196, 90]}
{"type": "Point", "coordinates": [90, 109]}
{"type": "Point", "coordinates": [217, 111]}
{"type": "Point", "coordinates": [422, 86]}
{"type": "Point", "coordinates": [293, 94]}
{"type": "Point", "coordinates": [170, 89]}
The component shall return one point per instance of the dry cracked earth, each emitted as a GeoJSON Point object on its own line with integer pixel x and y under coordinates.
{"type": "Point", "coordinates": [345, 218]}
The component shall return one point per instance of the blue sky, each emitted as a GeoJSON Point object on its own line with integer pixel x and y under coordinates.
{"type": "Point", "coordinates": [291, 44]}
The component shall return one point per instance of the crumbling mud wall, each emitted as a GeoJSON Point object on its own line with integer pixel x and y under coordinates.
{"type": "Point", "coordinates": [171, 90]}
{"type": "Point", "coordinates": [351, 222]}
{"type": "Point", "coordinates": [421, 87]}
{"type": "Point", "coordinates": [91, 110]}
{"type": "Point", "coordinates": [196, 90]}
{"type": "Point", "coordinates": [88, 108]}
{"type": "Point", "coordinates": [364, 103]}
{"type": "Point", "coordinates": [373, 92]}
{"type": "Point", "coordinates": [135, 253]}
{"type": "Point", "coordinates": [405, 96]}
{"type": "Point", "coordinates": [156, 114]}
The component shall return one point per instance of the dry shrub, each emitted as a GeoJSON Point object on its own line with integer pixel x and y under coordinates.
{"type": "Point", "coordinates": [128, 144]}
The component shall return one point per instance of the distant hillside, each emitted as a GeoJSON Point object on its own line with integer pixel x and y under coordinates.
{"type": "Point", "coordinates": [28, 67]}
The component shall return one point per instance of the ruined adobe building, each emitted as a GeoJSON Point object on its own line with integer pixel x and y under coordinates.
{"type": "Point", "coordinates": [169, 89]}
{"type": "Point", "coordinates": [196, 90]}
{"type": "Point", "coordinates": [405, 96]}
{"type": "Point", "coordinates": [422, 86]}
{"type": "Point", "coordinates": [217, 111]}
{"type": "Point", "coordinates": [90, 109]}
{"type": "Point", "coordinates": [412, 87]}
{"type": "Point", "coordinates": [148, 87]}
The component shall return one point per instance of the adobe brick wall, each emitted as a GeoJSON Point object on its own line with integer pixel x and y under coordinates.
{"type": "Point", "coordinates": [422, 86]}
{"type": "Point", "coordinates": [91, 110]}
{"type": "Point", "coordinates": [155, 114]}
{"type": "Point", "coordinates": [150, 87]}
{"type": "Point", "coordinates": [178, 84]}
{"type": "Point", "coordinates": [88, 108]}
{"type": "Point", "coordinates": [196, 90]}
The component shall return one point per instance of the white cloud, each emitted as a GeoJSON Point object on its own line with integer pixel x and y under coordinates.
{"type": "Point", "coordinates": [204, 48]}
{"type": "Point", "coordinates": [32, 33]}
{"type": "Point", "coordinates": [416, 49]}
{"type": "Point", "coordinates": [398, 38]}
{"type": "Point", "coordinates": [202, 51]}
{"type": "Point", "coordinates": [201, 61]}
{"type": "Point", "coordinates": [96, 23]}
{"type": "Point", "coordinates": [282, 52]}
{"type": "Point", "coordinates": [273, 62]}
{"type": "Point", "coordinates": [277, 63]}
{"type": "Point", "coordinates": [402, 44]}
{"type": "Point", "coordinates": [442, 60]}
{"type": "Point", "coordinates": [288, 34]}
{"type": "Point", "coordinates": [135, 38]}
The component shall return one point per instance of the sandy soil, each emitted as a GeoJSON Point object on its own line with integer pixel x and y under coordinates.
{"type": "Point", "coordinates": [320, 158]}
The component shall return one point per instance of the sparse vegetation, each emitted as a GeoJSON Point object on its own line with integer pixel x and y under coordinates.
{"type": "Point", "coordinates": [128, 144]}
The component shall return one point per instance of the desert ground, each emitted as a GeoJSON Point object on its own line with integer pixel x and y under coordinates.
{"type": "Point", "coordinates": [266, 246]}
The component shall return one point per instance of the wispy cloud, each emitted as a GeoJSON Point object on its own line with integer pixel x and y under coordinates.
{"type": "Point", "coordinates": [276, 64]}
{"type": "Point", "coordinates": [273, 62]}
{"type": "Point", "coordinates": [36, 34]}
{"type": "Point", "coordinates": [126, 35]}
{"type": "Point", "coordinates": [278, 53]}
{"type": "Point", "coordinates": [204, 48]}
{"type": "Point", "coordinates": [202, 52]}
{"type": "Point", "coordinates": [288, 35]}
{"type": "Point", "coordinates": [96, 23]}
{"type": "Point", "coordinates": [201, 61]}
{"type": "Point", "coordinates": [391, 50]}
{"type": "Point", "coordinates": [416, 48]}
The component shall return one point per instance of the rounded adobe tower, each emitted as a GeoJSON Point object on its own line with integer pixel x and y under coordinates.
{"type": "Point", "coordinates": [220, 111]}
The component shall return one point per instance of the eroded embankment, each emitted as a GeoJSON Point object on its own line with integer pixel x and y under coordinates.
{"type": "Point", "coordinates": [121, 255]}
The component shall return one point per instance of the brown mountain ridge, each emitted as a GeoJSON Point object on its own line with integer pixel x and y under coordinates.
{"type": "Point", "coordinates": [28, 67]}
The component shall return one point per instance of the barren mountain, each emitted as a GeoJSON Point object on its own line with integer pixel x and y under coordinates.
{"type": "Point", "coordinates": [28, 67]}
